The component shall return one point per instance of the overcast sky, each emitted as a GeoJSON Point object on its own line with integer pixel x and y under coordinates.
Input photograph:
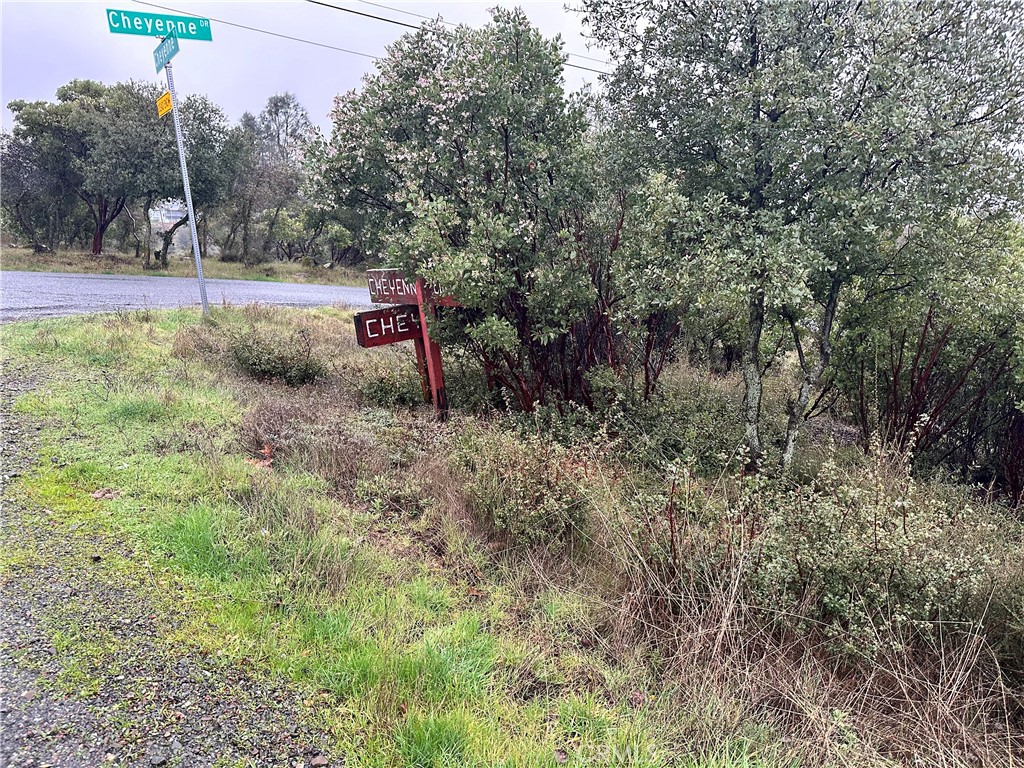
{"type": "Point", "coordinates": [46, 44]}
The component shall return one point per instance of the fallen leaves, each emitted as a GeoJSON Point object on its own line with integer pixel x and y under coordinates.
{"type": "Point", "coordinates": [267, 452]}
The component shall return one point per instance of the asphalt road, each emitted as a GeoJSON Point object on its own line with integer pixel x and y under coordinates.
{"type": "Point", "coordinates": [35, 295]}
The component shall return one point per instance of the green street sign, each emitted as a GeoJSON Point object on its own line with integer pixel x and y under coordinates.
{"type": "Point", "coordinates": [165, 51]}
{"type": "Point", "coordinates": [158, 25]}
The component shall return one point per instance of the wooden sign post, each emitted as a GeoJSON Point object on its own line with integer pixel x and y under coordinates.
{"type": "Point", "coordinates": [406, 321]}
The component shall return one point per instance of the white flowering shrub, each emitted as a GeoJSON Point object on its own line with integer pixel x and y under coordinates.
{"type": "Point", "coordinates": [472, 169]}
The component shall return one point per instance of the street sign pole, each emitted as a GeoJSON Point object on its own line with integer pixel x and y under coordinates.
{"type": "Point", "coordinates": [188, 189]}
{"type": "Point", "coordinates": [435, 370]}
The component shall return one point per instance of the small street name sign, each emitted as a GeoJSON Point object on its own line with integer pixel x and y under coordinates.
{"type": "Point", "coordinates": [158, 25]}
{"type": "Point", "coordinates": [165, 51]}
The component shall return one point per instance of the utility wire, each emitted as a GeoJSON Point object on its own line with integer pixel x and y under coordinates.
{"type": "Point", "coordinates": [408, 13]}
{"type": "Point", "coordinates": [261, 31]}
{"type": "Point", "coordinates": [453, 24]}
{"type": "Point", "coordinates": [414, 26]}
{"type": "Point", "coordinates": [313, 42]}
{"type": "Point", "coordinates": [365, 15]}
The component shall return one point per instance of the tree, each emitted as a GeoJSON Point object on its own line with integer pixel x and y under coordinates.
{"type": "Point", "coordinates": [265, 155]}
{"type": "Point", "coordinates": [247, 187]}
{"type": "Point", "coordinates": [158, 172]}
{"type": "Point", "coordinates": [285, 127]}
{"type": "Point", "coordinates": [936, 369]}
{"type": "Point", "coordinates": [284, 130]}
{"type": "Point", "coordinates": [101, 141]}
{"type": "Point", "coordinates": [37, 200]}
{"type": "Point", "coordinates": [817, 137]}
{"type": "Point", "coordinates": [465, 157]}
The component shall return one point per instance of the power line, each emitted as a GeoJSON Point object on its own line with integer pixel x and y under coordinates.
{"type": "Point", "coordinates": [314, 42]}
{"type": "Point", "coordinates": [408, 13]}
{"type": "Point", "coordinates": [364, 15]}
{"type": "Point", "coordinates": [453, 24]}
{"type": "Point", "coordinates": [414, 26]}
{"type": "Point", "coordinates": [261, 31]}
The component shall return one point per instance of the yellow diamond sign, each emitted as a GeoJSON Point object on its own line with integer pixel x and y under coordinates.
{"type": "Point", "coordinates": [163, 104]}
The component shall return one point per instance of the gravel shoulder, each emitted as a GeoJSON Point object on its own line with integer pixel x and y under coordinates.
{"type": "Point", "coordinates": [93, 666]}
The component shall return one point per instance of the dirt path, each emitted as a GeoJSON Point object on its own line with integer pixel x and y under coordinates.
{"type": "Point", "coordinates": [88, 676]}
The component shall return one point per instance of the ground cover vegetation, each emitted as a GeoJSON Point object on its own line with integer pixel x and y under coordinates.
{"type": "Point", "coordinates": [514, 589]}
{"type": "Point", "coordinates": [87, 171]}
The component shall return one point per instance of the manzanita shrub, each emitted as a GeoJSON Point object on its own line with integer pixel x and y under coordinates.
{"type": "Point", "coordinates": [474, 169]}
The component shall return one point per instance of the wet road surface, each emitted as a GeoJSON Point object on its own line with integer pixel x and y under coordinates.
{"type": "Point", "coordinates": [36, 295]}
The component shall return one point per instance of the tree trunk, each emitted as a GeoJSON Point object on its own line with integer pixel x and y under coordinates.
{"type": "Point", "coordinates": [269, 240]}
{"type": "Point", "coordinates": [245, 240]}
{"type": "Point", "coordinates": [811, 373]}
{"type": "Point", "coordinates": [103, 218]}
{"type": "Point", "coordinates": [148, 251]}
{"type": "Point", "coordinates": [205, 240]}
{"type": "Point", "coordinates": [169, 237]}
{"type": "Point", "coordinates": [26, 227]}
{"type": "Point", "coordinates": [99, 216]}
{"type": "Point", "coordinates": [752, 378]}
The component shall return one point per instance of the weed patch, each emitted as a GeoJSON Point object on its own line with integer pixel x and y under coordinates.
{"type": "Point", "coordinates": [266, 353]}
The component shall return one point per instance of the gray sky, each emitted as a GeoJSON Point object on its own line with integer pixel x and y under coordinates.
{"type": "Point", "coordinates": [46, 44]}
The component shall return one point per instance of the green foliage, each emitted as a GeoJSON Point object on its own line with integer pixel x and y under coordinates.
{"type": "Point", "coordinates": [392, 387]}
{"type": "Point", "coordinates": [390, 497]}
{"type": "Point", "coordinates": [483, 189]}
{"type": "Point", "coordinates": [432, 741]}
{"type": "Point", "coordinates": [528, 490]}
{"type": "Point", "coordinates": [934, 370]}
{"type": "Point", "coordinates": [266, 215]}
{"type": "Point", "coordinates": [801, 152]}
{"type": "Point", "coordinates": [266, 352]}
{"type": "Point", "coordinates": [867, 557]}
{"type": "Point", "coordinates": [101, 146]}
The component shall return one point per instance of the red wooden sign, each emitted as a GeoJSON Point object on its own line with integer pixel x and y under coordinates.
{"type": "Point", "coordinates": [389, 286]}
{"type": "Point", "coordinates": [388, 326]}
{"type": "Point", "coordinates": [405, 322]}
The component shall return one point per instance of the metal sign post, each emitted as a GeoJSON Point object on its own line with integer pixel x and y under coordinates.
{"type": "Point", "coordinates": [188, 189]}
{"type": "Point", "coordinates": [169, 29]}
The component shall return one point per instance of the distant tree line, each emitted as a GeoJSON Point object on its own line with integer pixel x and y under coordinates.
{"type": "Point", "coordinates": [98, 160]}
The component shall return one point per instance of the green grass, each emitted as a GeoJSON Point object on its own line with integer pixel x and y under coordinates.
{"type": "Point", "coordinates": [331, 590]}
{"type": "Point", "coordinates": [179, 266]}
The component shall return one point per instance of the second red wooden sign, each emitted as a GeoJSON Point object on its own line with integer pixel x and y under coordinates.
{"type": "Point", "coordinates": [388, 326]}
